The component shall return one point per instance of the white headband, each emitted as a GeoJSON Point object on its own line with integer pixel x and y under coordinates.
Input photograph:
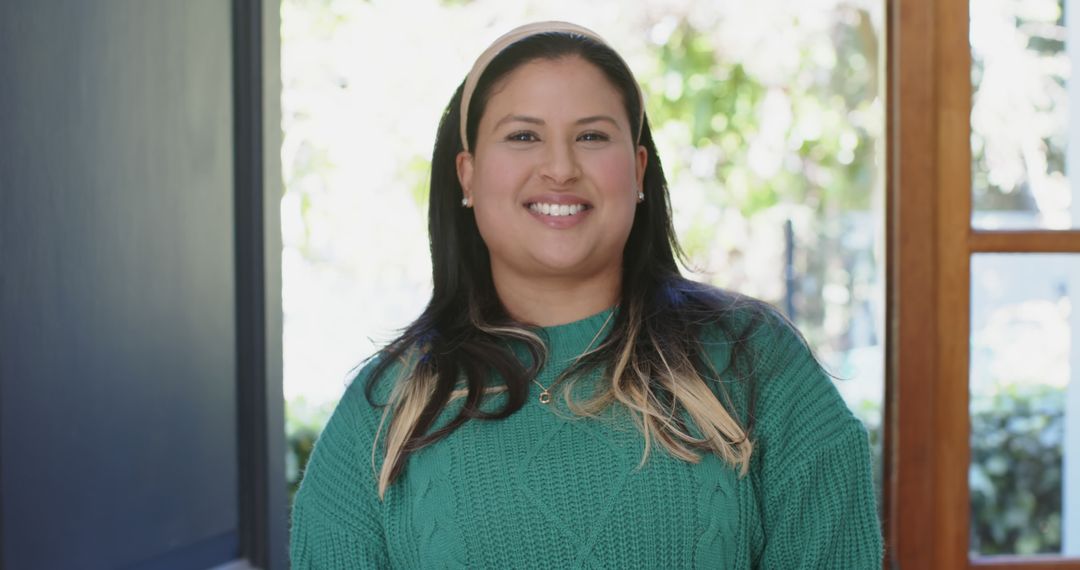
{"type": "Point", "coordinates": [514, 36]}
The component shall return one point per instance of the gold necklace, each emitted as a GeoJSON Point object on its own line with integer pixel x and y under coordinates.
{"type": "Point", "coordinates": [545, 395]}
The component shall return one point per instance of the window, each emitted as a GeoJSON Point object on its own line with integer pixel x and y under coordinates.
{"type": "Point", "coordinates": [982, 390]}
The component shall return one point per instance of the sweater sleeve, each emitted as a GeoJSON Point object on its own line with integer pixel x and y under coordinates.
{"type": "Point", "coordinates": [814, 472]}
{"type": "Point", "coordinates": [337, 515]}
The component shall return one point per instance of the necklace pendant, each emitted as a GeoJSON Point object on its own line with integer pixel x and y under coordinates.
{"type": "Point", "coordinates": [545, 397]}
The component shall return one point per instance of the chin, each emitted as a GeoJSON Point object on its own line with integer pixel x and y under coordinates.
{"type": "Point", "coordinates": [556, 265]}
{"type": "Point", "coordinates": [561, 266]}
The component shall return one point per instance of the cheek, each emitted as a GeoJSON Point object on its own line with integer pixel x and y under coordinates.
{"type": "Point", "coordinates": [614, 173]}
{"type": "Point", "coordinates": [615, 179]}
{"type": "Point", "coordinates": [495, 191]}
{"type": "Point", "coordinates": [500, 176]}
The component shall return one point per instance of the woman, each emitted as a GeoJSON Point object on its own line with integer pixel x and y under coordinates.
{"type": "Point", "coordinates": [567, 398]}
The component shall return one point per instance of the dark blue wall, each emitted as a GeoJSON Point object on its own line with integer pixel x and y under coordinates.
{"type": "Point", "coordinates": [118, 394]}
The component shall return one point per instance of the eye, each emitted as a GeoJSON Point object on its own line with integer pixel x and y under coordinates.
{"type": "Point", "coordinates": [594, 137]}
{"type": "Point", "coordinates": [522, 136]}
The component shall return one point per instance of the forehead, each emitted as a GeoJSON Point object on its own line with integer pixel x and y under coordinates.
{"type": "Point", "coordinates": [568, 83]}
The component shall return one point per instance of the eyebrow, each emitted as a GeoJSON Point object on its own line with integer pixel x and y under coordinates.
{"type": "Point", "coordinates": [537, 121]}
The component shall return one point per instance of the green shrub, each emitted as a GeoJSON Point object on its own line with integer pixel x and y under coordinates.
{"type": "Point", "coordinates": [1016, 470]}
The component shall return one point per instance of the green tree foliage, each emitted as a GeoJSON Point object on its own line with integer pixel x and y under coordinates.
{"type": "Point", "coordinates": [807, 146]}
{"type": "Point", "coordinates": [1019, 114]}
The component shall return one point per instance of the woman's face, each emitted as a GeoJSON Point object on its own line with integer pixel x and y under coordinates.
{"type": "Point", "coordinates": [555, 173]}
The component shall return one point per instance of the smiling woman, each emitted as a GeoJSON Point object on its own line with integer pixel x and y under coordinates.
{"type": "Point", "coordinates": [554, 269]}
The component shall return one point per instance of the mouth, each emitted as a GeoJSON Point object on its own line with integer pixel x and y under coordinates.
{"type": "Point", "coordinates": [557, 210]}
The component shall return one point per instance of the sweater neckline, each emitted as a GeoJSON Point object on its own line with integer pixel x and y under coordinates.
{"type": "Point", "coordinates": [567, 341]}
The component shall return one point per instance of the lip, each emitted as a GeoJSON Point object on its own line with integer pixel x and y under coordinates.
{"type": "Point", "coordinates": [559, 222]}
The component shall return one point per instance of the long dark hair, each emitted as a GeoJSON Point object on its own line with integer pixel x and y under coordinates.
{"type": "Point", "coordinates": [652, 356]}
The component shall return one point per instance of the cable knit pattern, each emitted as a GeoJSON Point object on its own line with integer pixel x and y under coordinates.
{"type": "Point", "coordinates": [438, 536]}
{"type": "Point", "coordinates": [542, 489]}
{"type": "Point", "coordinates": [716, 512]}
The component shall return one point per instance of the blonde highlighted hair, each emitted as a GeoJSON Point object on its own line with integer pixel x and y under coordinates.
{"type": "Point", "coordinates": [659, 382]}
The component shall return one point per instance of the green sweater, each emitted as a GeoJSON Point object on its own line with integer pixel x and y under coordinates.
{"type": "Point", "coordinates": [541, 490]}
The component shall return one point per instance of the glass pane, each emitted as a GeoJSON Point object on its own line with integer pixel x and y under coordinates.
{"type": "Point", "coordinates": [1021, 51]}
{"type": "Point", "coordinates": [1025, 404]}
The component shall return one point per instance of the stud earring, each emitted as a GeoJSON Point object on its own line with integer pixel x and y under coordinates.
{"type": "Point", "coordinates": [640, 196]}
{"type": "Point", "coordinates": [465, 202]}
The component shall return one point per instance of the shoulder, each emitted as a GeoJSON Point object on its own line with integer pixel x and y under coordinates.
{"type": "Point", "coordinates": [731, 325]}
{"type": "Point", "coordinates": [346, 447]}
{"type": "Point", "coordinates": [783, 391]}
{"type": "Point", "coordinates": [366, 396]}
{"type": "Point", "coordinates": [798, 412]}
{"type": "Point", "coordinates": [345, 453]}
{"type": "Point", "coordinates": [756, 341]}
{"type": "Point", "coordinates": [336, 510]}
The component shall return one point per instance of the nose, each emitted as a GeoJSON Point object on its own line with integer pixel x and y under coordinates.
{"type": "Point", "coordinates": [560, 166]}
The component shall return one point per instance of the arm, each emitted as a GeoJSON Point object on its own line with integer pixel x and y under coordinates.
{"type": "Point", "coordinates": [822, 513]}
{"type": "Point", "coordinates": [337, 516]}
{"type": "Point", "coordinates": [815, 481]}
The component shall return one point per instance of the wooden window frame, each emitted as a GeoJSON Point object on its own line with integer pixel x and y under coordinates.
{"type": "Point", "coordinates": [930, 244]}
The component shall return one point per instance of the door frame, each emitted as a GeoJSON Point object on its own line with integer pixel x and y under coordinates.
{"type": "Point", "coordinates": [258, 187]}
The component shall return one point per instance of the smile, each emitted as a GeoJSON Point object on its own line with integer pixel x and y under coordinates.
{"type": "Point", "coordinates": [557, 209]}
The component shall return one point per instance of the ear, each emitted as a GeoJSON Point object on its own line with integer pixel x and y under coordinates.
{"type": "Point", "coordinates": [641, 159]}
{"type": "Point", "coordinates": [465, 171]}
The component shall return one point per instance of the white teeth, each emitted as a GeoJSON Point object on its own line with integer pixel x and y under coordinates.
{"type": "Point", "coordinates": [557, 209]}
